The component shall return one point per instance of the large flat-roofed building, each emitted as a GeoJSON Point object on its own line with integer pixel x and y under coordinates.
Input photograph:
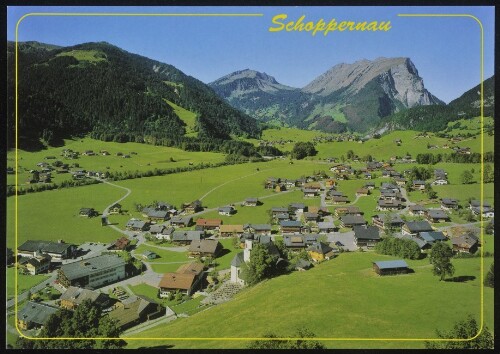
{"type": "Point", "coordinates": [92, 272]}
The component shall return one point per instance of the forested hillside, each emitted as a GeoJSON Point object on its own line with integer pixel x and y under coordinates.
{"type": "Point", "coordinates": [101, 89]}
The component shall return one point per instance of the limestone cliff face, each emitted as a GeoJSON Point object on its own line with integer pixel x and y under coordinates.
{"type": "Point", "coordinates": [398, 78]}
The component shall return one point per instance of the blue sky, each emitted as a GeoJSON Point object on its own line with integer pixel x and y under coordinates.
{"type": "Point", "coordinates": [445, 50]}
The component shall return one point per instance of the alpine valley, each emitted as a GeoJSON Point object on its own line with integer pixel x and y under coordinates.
{"type": "Point", "coordinates": [113, 95]}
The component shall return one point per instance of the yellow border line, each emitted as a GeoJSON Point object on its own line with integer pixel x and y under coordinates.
{"type": "Point", "coordinates": [255, 338]}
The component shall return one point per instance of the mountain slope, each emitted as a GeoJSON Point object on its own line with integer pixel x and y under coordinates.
{"type": "Point", "coordinates": [348, 96]}
{"type": "Point", "coordinates": [435, 118]}
{"type": "Point", "coordinates": [115, 95]}
{"type": "Point", "coordinates": [260, 96]}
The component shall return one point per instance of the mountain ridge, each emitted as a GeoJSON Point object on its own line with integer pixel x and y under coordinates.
{"type": "Point", "coordinates": [347, 96]}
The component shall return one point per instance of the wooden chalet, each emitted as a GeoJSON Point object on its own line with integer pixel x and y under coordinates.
{"type": "Point", "coordinates": [204, 248]}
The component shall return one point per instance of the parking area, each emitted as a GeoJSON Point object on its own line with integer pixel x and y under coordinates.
{"type": "Point", "coordinates": [345, 239]}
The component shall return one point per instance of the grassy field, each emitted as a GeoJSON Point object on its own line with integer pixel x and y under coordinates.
{"type": "Point", "coordinates": [348, 296]}
{"type": "Point", "coordinates": [224, 185]}
{"type": "Point", "coordinates": [24, 282]}
{"type": "Point", "coordinates": [187, 117]}
{"type": "Point", "coordinates": [92, 56]}
{"type": "Point", "coordinates": [146, 157]}
{"type": "Point", "coordinates": [53, 215]}
{"type": "Point", "coordinates": [341, 298]}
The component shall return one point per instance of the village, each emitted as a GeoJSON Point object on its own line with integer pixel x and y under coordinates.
{"type": "Point", "coordinates": [313, 229]}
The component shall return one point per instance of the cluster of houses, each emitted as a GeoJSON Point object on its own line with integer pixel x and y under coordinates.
{"type": "Point", "coordinates": [390, 198]}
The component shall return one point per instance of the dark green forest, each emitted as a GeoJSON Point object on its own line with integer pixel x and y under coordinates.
{"type": "Point", "coordinates": [113, 95]}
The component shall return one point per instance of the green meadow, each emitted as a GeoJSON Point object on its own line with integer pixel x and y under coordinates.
{"type": "Point", "coordinates": [53, 215]}
{"type": "Point", "coordinates": [143, 157]}
{"type": "Point", "coordinates": [24, 282]}
{"type": "Point", "coordinates": [342, 298]}
{"type": "Point", "coordinates": [187, 117]}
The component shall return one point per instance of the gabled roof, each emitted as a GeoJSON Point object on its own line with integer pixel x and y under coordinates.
{"type": "Point", "coordinates": [204, 246]}
{"type": "Point", "coordinates": [320, 247]}
{"type": "Point", "coordinates": [261, 227]}
{"type": "Point", "coordinates": [231, 228]}
{"type": "Point", "coordinates": [326, 225]}
{"type": "Point", "coordinates": [44, 246]}
{"type": "Point", "coordinates": [177, 281]}
{"type": "Point", "coordinates": [449, 201]}
{"type": "Point", "coordinates": [279, 210]}
{"type": "Point", "coordinates": [432, 236]}
{"type": "Point", "coordinates": [418, 226]}
{"type": "Point", "coordinates": [366, 232]}
{"type": "Point", "coordinates": [136, 223]}
{"type": "Point", "coordinates": [181, 219]}
{"type": "Point", "coordinates": [209, 222]}
{"type": "Point", "coordinates": [191, 268]}
{"type": "Point", "coordinates": [353, 220]}
{"type": "Point", "coordinates": [187, 235]}
{"type": "Point", "coordinates": [297, 205]}
{"type": "Point", "coordinates": [417, 207]}
{"type": "Point", "coordinates": [419, 242]}
{"type": "Point", "coordinates": [37, 313]}
{"type": "Point", "coordinates": [391, 264]}
{"type": "Point", "coordinates": [290, 223]}
{"type": "Point", "coordinates": [78, 295]}
{"type": "Point", "coordinates": [437, 214]}
{"type": "Point", "coordinates": [157, 214]}
{"type": "Point", "coordinates": [477, 203]}
{"type": "Point", "coordinates": [157, 228]}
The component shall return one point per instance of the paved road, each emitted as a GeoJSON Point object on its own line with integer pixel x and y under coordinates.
{"type": "Point", "coordinates": [106, 210]}
{"type": "Point", "coordinates": [35, 289]}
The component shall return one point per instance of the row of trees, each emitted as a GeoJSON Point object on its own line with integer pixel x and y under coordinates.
{"type": "Point", "coordinates": [398, 247]}
{"type": "Point", "coordinates": [475, 157]}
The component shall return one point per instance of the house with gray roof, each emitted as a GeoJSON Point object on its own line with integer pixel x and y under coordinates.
{"type": "Point", "coordinates": [417, 209]}
{"type": "Point", "coordinates": [34, 315]}
{"type": "Point", "coordinates": [92, 272]}
{"type": "Point", "coordinates": [437, 215]}
{"type": "Point", "coordinates": [186, 236]}
{"type": "Point", "coordinates": [415, 227]}
{"type": "Point", "coordinates": [422, 244]}
{"type": "Point", "coordinates": [448, 203]}
{"type": "Point", "coordinates": [74, 296]}
{"type": "Point", "coordinates": [56, 250]}
{"type": "Point", "coordinates": [366, 236]}
{"type": "Point", "coordinates": [181, 221]}
{"type": "Point", "coordinates": [258, 229]}
{"type": "Point", "coordinates": [290, 226]}
{"type": "Point", "coordinates": [387, 221]}
{"type": "Point", "coordinates": [297, 207]}
{"type": "Point", "coordinates": [352, 220]}
{"type": "Point", "coordinates": [137, 225]}
{"type": "Point", "coordinates": [432, 236]}
{"type": "Point", "coordinates": [326, 227]}
{"type": "Point", "coordinates": [158, 215]}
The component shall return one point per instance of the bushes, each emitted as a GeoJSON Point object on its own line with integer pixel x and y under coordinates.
{"type": "Point", "coordinates": [398, 247]}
